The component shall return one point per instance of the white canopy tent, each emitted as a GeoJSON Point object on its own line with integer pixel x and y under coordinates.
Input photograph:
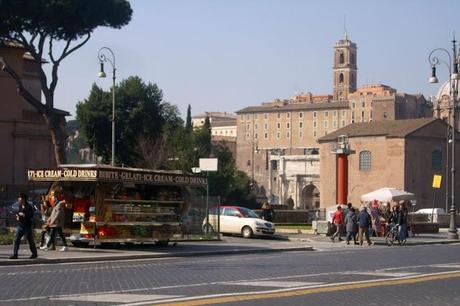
{"type": "Point", "coordinates": [387, 194]}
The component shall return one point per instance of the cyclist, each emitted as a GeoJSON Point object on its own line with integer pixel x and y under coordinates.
{"type": "Point", "coordinates": [393, 218]}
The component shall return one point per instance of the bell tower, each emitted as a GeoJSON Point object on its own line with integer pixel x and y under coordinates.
{"type": "Point", "coordinates": [345, 69]}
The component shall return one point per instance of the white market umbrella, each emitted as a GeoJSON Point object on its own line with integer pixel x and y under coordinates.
{"type": "Point", "coordinates": [387, 194]}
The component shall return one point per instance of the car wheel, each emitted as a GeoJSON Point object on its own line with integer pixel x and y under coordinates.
{"type": "Point", "coordinates": [247, 232]}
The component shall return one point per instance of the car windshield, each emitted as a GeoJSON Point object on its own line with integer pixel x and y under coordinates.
{"type": "Point", "coordinates": [247, 213]}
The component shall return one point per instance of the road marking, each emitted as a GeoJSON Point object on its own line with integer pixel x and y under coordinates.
{"type": "Point", "coordinates": [450, 266]}
{"type": "Point", "coordinates": [385, 274]}
{"type": "Point", "coordinates": [283, 284]}
{"type": "Point", "coordinates": [178, 287]}
{"type": "Point", "coordinates": [116, 298]}
{"type": "Point", "coordinates": [280, 293]}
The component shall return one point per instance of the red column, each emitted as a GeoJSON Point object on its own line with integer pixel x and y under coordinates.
{"type": "Point", "coordinates": [342, 178]}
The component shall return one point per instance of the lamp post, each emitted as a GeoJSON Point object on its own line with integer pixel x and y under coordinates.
{"type": "Point", "coordinates": [103, 58]}
{"type": "Point", "coordinates": [452, 65]}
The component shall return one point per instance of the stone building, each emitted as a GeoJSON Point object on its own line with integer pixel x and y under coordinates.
{"type": "Point", "coordinates": [277, 137]}
{"type": "Point", "coordinates": [442, 107]}
{"type": "Point", "coordinates": [403, 154]}
{"type": "Point", "coordinates": [223, 128]}
{"type": "Point", "coordinates": [223, 124]}
{"type": "Point", "coordinates": [24, 136]}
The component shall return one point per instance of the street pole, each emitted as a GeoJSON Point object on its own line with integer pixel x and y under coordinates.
{"type": "Point", "coordinates": [452, 65]}
{"type": "Point", "coordinates": [454, 82]}
{"type": "Point", "coordinates": [113, 114]}
{"type": "Point", "coordinates": [207, 203]}
{"type": "Point", "coordinates": [447, 162]}
{"type": "Point", "coordinates": [103, 59]}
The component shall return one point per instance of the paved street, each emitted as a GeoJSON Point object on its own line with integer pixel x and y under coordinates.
{"type": "Point", "coordinates": [348, 275]}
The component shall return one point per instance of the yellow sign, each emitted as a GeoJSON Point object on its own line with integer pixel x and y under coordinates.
{"type": "Point", "coordinates": [437, 181]}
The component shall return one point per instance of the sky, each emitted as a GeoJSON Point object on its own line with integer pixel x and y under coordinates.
{"type": "Point", "coordinates": [222, 55]}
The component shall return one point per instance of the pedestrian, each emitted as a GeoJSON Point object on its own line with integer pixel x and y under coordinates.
{"type": "Point", "coordinates": [267, 212]}
{"type": "Point", "coordinates": [351, 225]}
{"type": "Point", "coordinates": [337, 220]}
{"type": "Point", "coordinates": [350, 206]}
{"type": "Point", "coordinates": [375, 217]}
{"type": "Point", "coordinates": [46, 210]}
{"type": "Point", "coordinates": [56, 223]}
{"type": "Point", "coordinates": [24, 217]}
{"type": "Point", "coordinates": [402, 221]}
{"type": "Point", "coordinates": [364, 222]}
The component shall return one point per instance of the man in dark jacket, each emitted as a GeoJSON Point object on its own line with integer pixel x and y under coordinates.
{"type": "Point", "coordinates": [364, 220]}
{"type": "Point", "coordinates": [24, 216]}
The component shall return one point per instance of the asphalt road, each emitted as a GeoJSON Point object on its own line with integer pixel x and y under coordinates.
{"type": "Point", "coordinates": [415, 275]}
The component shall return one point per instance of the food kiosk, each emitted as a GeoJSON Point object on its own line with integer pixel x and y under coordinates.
{"type": "Point", "coordinates": [120, 205]}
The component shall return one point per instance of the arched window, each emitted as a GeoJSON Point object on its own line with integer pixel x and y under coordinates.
{"type": "Point", "coordinates": [353, 58]}
{"type": "Point", "coordinates": [341, 78]}
{"type": "Point", "coordinates": [365, 160]}
{"type": "Point", "coordinates": [341, 58]}
{"type": "Point", "coordinates": [436, 160]}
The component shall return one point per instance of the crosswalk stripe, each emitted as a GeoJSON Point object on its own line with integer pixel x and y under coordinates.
{"type": "Point", "coordinates": [386, 274]}
{"type": "Point", "coordinates": [278, 284]}
{"type": "Point", "coordinates": [116, 298]}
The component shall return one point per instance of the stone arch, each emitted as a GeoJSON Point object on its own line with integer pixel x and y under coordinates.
{"type": "Point", "coordinates": [310, 197]}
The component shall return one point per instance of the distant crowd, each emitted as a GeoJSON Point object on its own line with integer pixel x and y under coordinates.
{"type": "Point", "coordinates": [375, 222]}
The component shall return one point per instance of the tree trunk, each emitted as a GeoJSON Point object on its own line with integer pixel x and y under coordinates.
{"type": "Point", "coordinates": [56, 126]}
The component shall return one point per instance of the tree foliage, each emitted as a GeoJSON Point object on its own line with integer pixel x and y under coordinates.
{"type": "Point", "coordinates": [232, 185]}
{"type": "Point", "coordinates": [188, 120]}
{"type": "Point", "coordinates": [38, 26]}
{"type": "Point", "coordinates": [141, 117]}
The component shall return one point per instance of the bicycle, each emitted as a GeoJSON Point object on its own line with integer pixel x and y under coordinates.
{"type": "Point", "coordinates": [393, 235]}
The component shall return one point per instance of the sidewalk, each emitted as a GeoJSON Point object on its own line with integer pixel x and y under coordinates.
{"type": "Point", "coordinates": [420, 239]}
{"type": "Point", "coordinates": [227, 246]}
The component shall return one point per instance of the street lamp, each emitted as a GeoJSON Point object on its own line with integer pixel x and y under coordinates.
{"type": "Point", "coordinates": [103, 58]}
{"type": "Point", "coordinates": [452, 66]}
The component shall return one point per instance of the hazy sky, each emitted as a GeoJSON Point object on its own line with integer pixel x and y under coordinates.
{"type": "Point", "coordinates": [224, 55]}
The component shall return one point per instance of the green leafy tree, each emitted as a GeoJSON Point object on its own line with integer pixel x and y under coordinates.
{"type": "Point", "coordinates": [232, 185]}
{"type": "Point", "coordinates": [188, 121]}
{"type": "Point", "coordinates": [58, 28]}
{"type": "Point", "coordinates": [142, 116]}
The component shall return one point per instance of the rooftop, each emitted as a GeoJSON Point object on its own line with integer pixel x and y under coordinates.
{"type": "Point", "coordinates": [293, 106]}
{"type": "Point", "coordinates": [390, 129]}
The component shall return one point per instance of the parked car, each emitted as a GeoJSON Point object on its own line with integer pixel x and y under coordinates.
{"type": "Point", "coordinates": [432, 213]}
{"type": "Point", "coordinates": [238, 220]}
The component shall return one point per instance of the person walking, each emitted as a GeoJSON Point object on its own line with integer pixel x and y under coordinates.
{"type": "Point", "coordinates": [375, 218]}
{"type": "Point", "coordinates": [402, 222]}
{"type": "Point", "coordinates": [46, 210]}
{"type": "Point", "coordinates": [56, 223]}
{"type": "Point", "coordinates": [364, 221]}
{"type": "Point", "coordinates": [337, 220]}
{"type": "Point", "coordinates": [351, 225]}
{"type": "Point", "coordinates": [24, 216]}
{"type": "Point", "coordinates": [267, 212]}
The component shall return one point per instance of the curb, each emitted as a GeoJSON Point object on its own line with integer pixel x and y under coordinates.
{"type": "Point", "coordinates": [422, 242]}
{"type": "Point", "coordinates": [146, 256]}
{"type": "Point", "coordinates": [382, 242]}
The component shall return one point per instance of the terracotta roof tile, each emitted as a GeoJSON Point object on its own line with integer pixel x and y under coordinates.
{"type": "Point", "coordinates": [390, 129]}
